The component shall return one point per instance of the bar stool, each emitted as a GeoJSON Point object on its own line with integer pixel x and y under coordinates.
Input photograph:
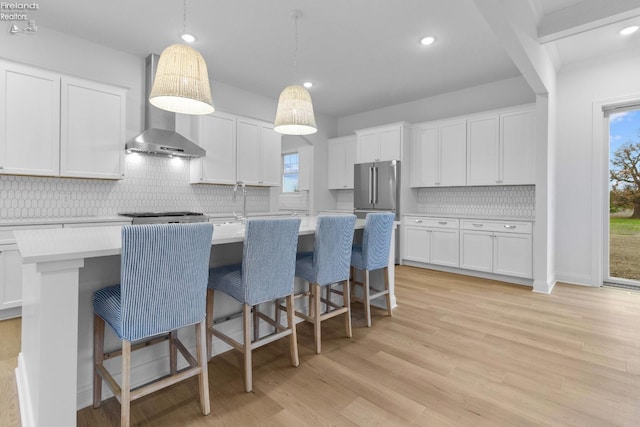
{"type": "Point", "coordinates": [164, 271]}
{"type": "Point", "coordinates": [326, 266]}
{"type": "Point", "coordinates": [266, 274]}
{"type": "Point", "coordinates": [372, 255]}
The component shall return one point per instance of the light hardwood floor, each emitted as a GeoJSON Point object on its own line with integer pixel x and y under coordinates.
{"type": "Point", "coordinates": [459, 351]}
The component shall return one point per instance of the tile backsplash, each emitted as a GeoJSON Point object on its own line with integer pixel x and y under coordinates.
{"type": "Point", "coordinates": [515, 201]}
{"type": "Point", "coordinates": [150, 184]}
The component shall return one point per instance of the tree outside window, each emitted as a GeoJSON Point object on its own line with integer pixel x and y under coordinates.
{"type": "Point", "coordinates": [290, 172]}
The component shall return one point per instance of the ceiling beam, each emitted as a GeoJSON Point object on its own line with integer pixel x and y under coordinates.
{"type": "Point", "coordinates": [584, 16]}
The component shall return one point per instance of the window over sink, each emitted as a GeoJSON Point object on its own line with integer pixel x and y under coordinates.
{"type": "Point", "coordinates": [290, 172]}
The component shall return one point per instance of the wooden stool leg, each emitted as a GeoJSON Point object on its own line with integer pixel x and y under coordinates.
{"type": "Point", "coordinates": [98, 358]}
{"type": "Point", "coordinates": [203, 377]}
{"type": "Point", "coordinates": [276, 316]}
{"type": "Point", "coordinates": [352, 274]}
{"type": "Point", "coordinates": [327, 297]}
{"type": "Point", "coordinates": [256, 323]}
{"type": "Point", "coordinates": [317, 324]}
{"type": "Point", "coordinates": [209, 318]}
{"type": "Point", "coordinates": [346, 300]}
{"type": "Point", "coordinates": [125, 392]}
{"type": "Point", "coordinates": [312, 304]}
{"type": "Point", "coordinates": [293, 339]}
{"type": "Point", "coordinates": [246, 328]}
{"type": "Point", "coordinates": [173, 352]}
{"type": "Point", "coordinates": [367, 301]}
{"type": "Point", "coordinates": [386, 287]}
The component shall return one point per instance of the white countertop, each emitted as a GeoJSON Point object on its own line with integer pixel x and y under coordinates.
{"type": "Point", "coordinates": [469, 216]}
{"type": "Point", "coordinates": [61, 244]}
{"type": "Point", "coordinates": [61, 220]}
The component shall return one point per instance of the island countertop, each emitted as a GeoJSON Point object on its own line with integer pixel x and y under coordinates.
{"type": "Point", "coordinates": [62, 244]}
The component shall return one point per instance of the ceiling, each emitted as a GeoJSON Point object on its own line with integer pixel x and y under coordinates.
{"type": "Point", "coordinates": [360, 54]}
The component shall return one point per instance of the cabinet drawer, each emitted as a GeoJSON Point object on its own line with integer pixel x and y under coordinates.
{"type": "Point", "coordinates": [6, 233]}
{"type": "Point", "coordinates": [96, 224]}
{"type": "Point", "coordinates": [431, 222]}
{"type": "Point", "coordinates": [501, 226]}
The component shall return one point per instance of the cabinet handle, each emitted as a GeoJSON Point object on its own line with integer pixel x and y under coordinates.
{"type": "Point", "coordinates": [499, 181]}
{"type": "Point", "coordinates": [478, 225]}
{"type": "Point", "coordinates": [344, 186]}
{"type": "Point", "coordinates": [510, 227]}
{"type": "Point", "coordinates": [437, 183]}
{"type": "Point", "coordinates": [1, 167]}
{"type": "Point", "coordinates": [417, 221]}
{"type": "Point", "coordinates": [442, 222]}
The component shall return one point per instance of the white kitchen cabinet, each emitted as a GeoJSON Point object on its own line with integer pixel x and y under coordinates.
{"type": "Point", "coordinates": [216, 133]}
{"type": "Point", "coordinates": [92, 129]}
{"type": "Point", "coordinates": [342, 157]}
{"type": "Point", "coordinates": [258, 153]}
{"type": "Point", "coordinates": [438, 154]}
{"type": "Point", "coordinates": [431, 240]}
{"type": "Point", "coordinates": [500, 247]}
{"type": "Point", "coordinates": [305, 162]}
{"type": "Point", "coordinates": [29, 121]}
{"type": "Point", "coordinates": [483, 137]}
{"type": "Point", "coordinates": [517, 141]}
{"type": "Point", "coordinates": [500, 148]}
{"type": "Point", "coordinates": [381, 143]}
{"type": "Point", "coordinates": [10, 277]}
{"type": "Point", "coordinates": [53, 125]}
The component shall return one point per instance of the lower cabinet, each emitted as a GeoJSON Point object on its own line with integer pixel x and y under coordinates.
{"type": "Point", "coordinates": [489, 246]}
{"type": "Point", "coordinates": [10, 276]}
{"type": "Point", "coordinates": [431, 240]}
{"type": "Point", "coordinates": [500, 247]}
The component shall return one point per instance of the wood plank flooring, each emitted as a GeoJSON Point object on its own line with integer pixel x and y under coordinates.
{"type": "Point", "coordinates": [459, 351]}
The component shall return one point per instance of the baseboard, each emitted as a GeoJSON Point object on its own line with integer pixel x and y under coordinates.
{"type": "Point", "coordinates": [499, 277]}
{"type": "Point", "coordinates": [542, 287]}
{"type": "Point", "coordinates": [24, 397]}
{"type": "Point", "coordinates": [10, 313]}
{"type": "Point", "coordinates": [575, 279]}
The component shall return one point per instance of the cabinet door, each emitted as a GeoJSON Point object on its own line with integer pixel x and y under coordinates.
{"type": "Point", "coordinates": [217, 135]}
{"type": "Point", "coordinates": [416, 244]}
{"type": "Point", "coordinates": [424, 157]}
{"type": "Point", "coordinates": [29, 121]}
{"type": "Point", "coordinates": [517, 146]}
{"type": "Point", "coordinates": [305, 162]}
{"type": "Point", "coordinates": [389, 141]}
{"type": "Point", "coordinates": [476, 250]}
{"type": "Point", "coordinates": [445, 247]}
{"type": "Point", "coordinates": [350, 160]}
{"type": "Point", "coordinates": [92, 130]}
{"type": "Point", "coordinates": [368, 148]}
{"type": "Point", "coordinates": [10, 277]}
{"type": "Point", "coordinates": [248, 151]}
{"type": "Point", "coordinates": [512, 254]}
{"type": "Point", "coordinates": [482, 150]}
{"type": "Point", "coordinates": [453, 153]}
{"type": "Point", "coordinates": [270, 152]}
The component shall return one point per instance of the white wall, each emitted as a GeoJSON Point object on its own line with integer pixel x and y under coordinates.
{"type": "Point", "coordinates": [503, 93]}
{"type": "Point", "coordinates": [579, 85]}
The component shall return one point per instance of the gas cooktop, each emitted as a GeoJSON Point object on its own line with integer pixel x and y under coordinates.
{"type": "Point", "coordinates": [158, 214]}
{"type": "Point", "coordinates": [165, 217]}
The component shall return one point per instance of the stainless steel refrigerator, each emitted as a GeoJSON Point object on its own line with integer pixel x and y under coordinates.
{"type": "Point", "coordinates": [376, 188]}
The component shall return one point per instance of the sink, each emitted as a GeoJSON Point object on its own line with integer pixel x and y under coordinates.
{"type": "Point", "coordinates": [229, 229]}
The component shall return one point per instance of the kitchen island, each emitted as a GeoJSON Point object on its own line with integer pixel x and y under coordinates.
{"type": "Point", "coordinates": [61, 269]}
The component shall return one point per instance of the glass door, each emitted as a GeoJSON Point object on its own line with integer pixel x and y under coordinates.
{"type": "Point", "coordinates": [622, 265]}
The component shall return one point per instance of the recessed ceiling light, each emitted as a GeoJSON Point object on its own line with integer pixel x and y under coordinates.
{"type": "Point", "coordinates": [307, 84]}
{"type": "Point", "coordinates": [426, 41]}
{"type": "Point", "coordinates": [189, 38]}
{"type": "Point", "coordinates": [629, 30]}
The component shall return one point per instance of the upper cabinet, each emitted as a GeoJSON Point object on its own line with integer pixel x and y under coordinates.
{"type": "Point", "coordinates": [258, 153]}
{"type": "Point", "coordinates": [29, 121]}
{"type": "Point", "coordinates": [380, 143]}
{"type": "Point", "coordinates": [238, 149]}
{"type": "Point", "coordinates": [438, 154]}
{"type": "Point", "coordinates": [342, 156]}
{"type": "Point", "coordinates": [500, 148]}
{"type": "Point", "coordinates": [92, 125]}
{"type": "Point", "coordinates": [216, 133]}
{"type": "Point", "coordinates": [53, 125]}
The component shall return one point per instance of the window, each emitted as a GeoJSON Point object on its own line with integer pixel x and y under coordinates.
{"type": "Point", "coordinates": [290, 172]}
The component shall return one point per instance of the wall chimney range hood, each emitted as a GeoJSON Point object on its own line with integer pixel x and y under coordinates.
{"type": "Point", "coordinates": [160, 137]}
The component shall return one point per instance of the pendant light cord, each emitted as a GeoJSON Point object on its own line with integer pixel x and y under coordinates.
{"type": "Point", "coordinates": [184, 17]}
{"type": "Point", "coordinates": [295, 50]}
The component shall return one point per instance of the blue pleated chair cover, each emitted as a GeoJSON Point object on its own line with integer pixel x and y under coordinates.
{"type": "Point", "coordinates": [330, 260]}
{"type": "Point", "coordinates": [268, 263]}
{"type": "Point", "coordinates": [376, 242]}
{"type": "Point", "coordinates": [163, 280]}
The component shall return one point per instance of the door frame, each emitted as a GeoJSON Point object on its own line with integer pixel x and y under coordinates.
{"type": "Point", "coordinates": [600, 183]}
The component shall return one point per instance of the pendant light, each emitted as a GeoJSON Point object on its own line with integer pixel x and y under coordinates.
{"type": "Point", "coordinates": [294, 115]}
{"type": "Point", "coordinates": [181, 83]}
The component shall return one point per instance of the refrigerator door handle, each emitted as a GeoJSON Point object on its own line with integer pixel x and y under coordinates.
{"type": "Point", "coordinates": [375, 185]}
{"type": "Point", "coordinates": [370, 186]}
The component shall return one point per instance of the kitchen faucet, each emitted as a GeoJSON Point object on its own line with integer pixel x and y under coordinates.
{"type": "Point", "coordinates": [244, 201]}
